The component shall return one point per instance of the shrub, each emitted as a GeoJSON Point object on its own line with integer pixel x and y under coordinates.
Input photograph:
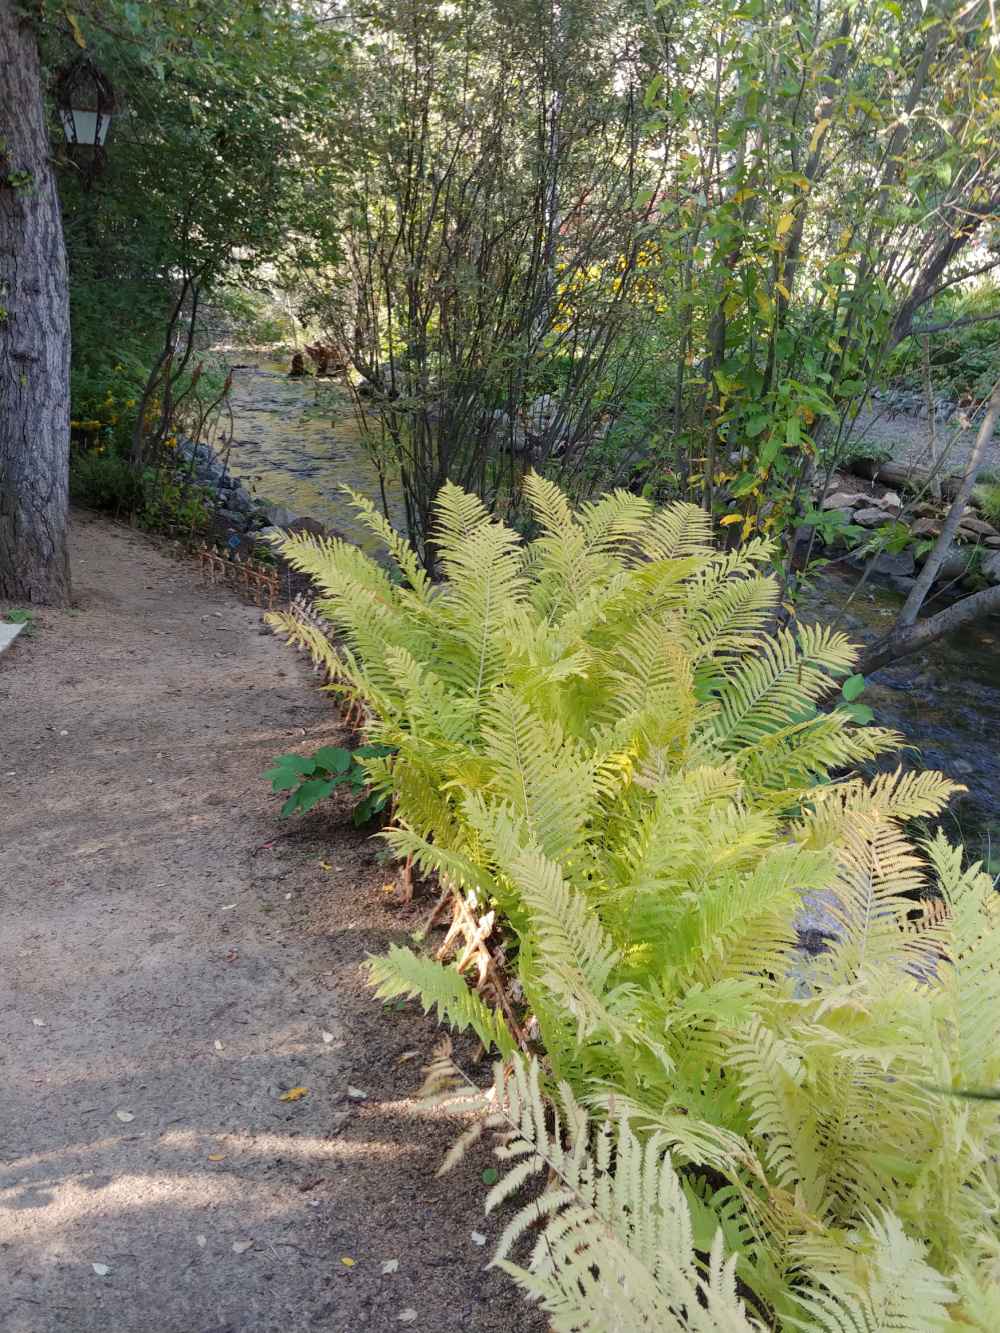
{"type": "Point", "coordinates": [312, 779]}
{"type": "Point", "coordinates": [105, 481]}
{"type": "Point", "coordinates": [596, 735]}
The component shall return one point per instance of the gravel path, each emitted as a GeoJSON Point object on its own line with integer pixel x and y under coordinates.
{"type": "Point", "coordinates": [908, 439]}
{"type": "Point", "coordinates": [172, 960]}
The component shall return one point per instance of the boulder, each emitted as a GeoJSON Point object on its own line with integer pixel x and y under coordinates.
{"type": "Point", "coordinates": [871, 518]}
{"type": "Point", "coordinates": [889, 501]}
{"type": "Point", "coordinates": [978, 526]}
{"type": "Point", "coordinates": [240, 500]}
{"type": "Point", "coordinates": [991, 567]}
{"type": "Point", "coordinates": [901, 565]}
{"type": "Point", "coordinates": [953, 566]}
{"type": "Point", "coordinates": [278, 515]}
{"type": "Point", "coordinates": [845, 500]}
{"type": "Point", "coordinates": [925, 527]}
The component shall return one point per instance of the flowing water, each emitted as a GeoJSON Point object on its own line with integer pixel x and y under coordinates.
{"type": "Point", "coordinates": [298, 442]}
{"type": "Point", "coordinates": [945, 701]}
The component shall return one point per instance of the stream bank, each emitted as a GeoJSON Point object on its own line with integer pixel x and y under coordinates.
{"type": "Point", "coordinates": [297, 441]}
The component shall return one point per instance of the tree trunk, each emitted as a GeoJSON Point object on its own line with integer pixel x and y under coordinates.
{"type": "Point", "coordinates": [906, 639]}
{"type": "Point", "coordinates": [934, 561]}
{"type": "Point", "coordinates": [34, 335]}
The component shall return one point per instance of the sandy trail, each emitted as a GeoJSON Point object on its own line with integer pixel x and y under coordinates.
{"type": "Point", "coordinates": [165, 976]}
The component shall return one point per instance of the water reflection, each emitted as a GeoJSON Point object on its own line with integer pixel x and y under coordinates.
{"type": "Point", "coordinates": [296, 442]}
{"type": "Point", "coordinates": [945, 700]}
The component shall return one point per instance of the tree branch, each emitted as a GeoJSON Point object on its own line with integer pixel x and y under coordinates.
{"type": "Point", "coordinates": [953, 323]}
{"type": "Point", "coordinates": [909, 639]}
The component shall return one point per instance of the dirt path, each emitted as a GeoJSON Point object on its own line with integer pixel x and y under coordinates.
{"type": "Point", "coordinates": [164, 976]}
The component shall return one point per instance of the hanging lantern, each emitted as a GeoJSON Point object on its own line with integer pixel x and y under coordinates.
{"type": "Point", "coordinates": [85, 101]}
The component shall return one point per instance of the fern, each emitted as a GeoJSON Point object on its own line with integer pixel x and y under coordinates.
{"type": "Point", "coordinates": [401, 972]}
{"type": "Point", "coordinates": [595, 735]}
{"type": "Point", "coordinates": [615, 1247]}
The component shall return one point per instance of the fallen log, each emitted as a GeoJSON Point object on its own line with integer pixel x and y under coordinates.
{"type": "Point", "coordinates": [906, 476]}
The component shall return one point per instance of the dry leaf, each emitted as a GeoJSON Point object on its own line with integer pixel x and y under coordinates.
{"type": "Point", "coordinates": [407, 1316]}
{"type": "Point", "coordinates": [228, 907]}
{"type": "Point", "coordinates": [216, 1157]}
{"type": "Point", "coordinates": [327, 1037]}
{"type": "Point", "coordinates": [356, 1093]}
{"type": "Point", "coordinates": [293, 1094]}
{"type": "Point", "coordinates": [241, 1246]}
{"type": "Point", "coordinates": [78, 36]}
{"type": "Point", "coordinates": [325, 865]}
{"type": "Point", "coordinates": [39, 1022]}
{"type": "Point", "coordinates": [219, 1046]}
{"type": "Point", "coordinates": [407, 1055]}
{"type": "Point", "coordinates": [102, 1270]}
{"type": "Point", "coordinates": [390, 1265]}
{"type": "Point", "coordinates": [818, 134]}
{"type": "Point", "coordinates": [124, 1116]}
{"type": "Point", "coordinates": [478, 1238]}
{"type": "Point", "coordinates": [347, 1261]}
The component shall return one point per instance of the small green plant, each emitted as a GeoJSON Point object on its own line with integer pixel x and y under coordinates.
{"type": "Point", "coordinates": [866, 451]}
{"type": "Point", "coordinates": [987, 495]}
{"type": "Point", "coordinates": [105, 481]}
{"type": "Point", "coordinates": [312, 779]}
{"type": "Point", "coordinates": [18, 616]}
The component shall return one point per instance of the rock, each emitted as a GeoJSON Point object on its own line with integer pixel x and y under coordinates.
{"type": "Point", "coordinates": [925, 527]}
{"type": "Point", "coordinates": [903, 584]}
{"type": "Point", "coordinates": [231, 516]}
{"type": "Point", "coordinates": [844, 500]}
{"type": "Point", "coordinates": [889, 501]}
{"type": "Point", "coordinates": [240, 500]}
{"type": "Point", "coordinates": [900, 565]}
{"type": "Point", "coordinates": [952, 567]}
{"type": "Point", "coordinates": [872, 518]}
{"type": "Point", "coordinates": [993, 542]}
{"type": "Point", "coordinates": [990, 567]}
{"type": "Point", "coordinates": [978, 526]}
{"type": "Point", "coordinates": [278, 515]}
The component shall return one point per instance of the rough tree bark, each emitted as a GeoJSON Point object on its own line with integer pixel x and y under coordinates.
{"type": "Point", "coordinates": [34, 334]}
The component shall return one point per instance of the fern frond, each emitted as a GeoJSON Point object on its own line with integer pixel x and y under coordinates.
{"type": "Point", "coordinates": [407, 561]}
{"type": "Point", "coordinates": [457, 515]}
{"type": "Point", "coordinates": [890, 1285]}
{"type": "Point", "coordinates": [616, 1249]}
{"type": "Point", "coordinates": [401, 972]}
{"type": "Point", "coordinates": [768, 691]}
{"type": "Point", "coordinates": [678, 530]}
{"type": "Point", "coordinates": [307, 637]}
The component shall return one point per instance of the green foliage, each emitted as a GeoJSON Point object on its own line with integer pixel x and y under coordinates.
{"type": "Point", "coordinates": [107, 482]}
{"type": "Point", "coordinates": [963, 359]}
{"type": "Point", "coordinates": [987, 495]}
{"type": "Point", "coordinates": [596, 734]}
{"type": "Point", "coordinates": [162, 499]}
{"type": "Point", "coordinates": [312, 779]}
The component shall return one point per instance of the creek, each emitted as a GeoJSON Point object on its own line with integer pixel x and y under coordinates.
{"type": "Point", "coordinates": [296, 442]}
